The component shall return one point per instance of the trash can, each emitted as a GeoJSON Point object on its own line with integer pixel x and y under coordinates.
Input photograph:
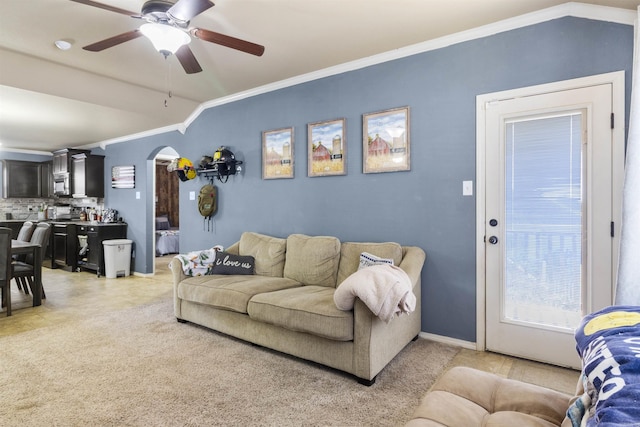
{"type": "Point", "coordinates": [117, 257]}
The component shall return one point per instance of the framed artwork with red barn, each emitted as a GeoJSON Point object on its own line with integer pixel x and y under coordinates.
{"type": "Point", "coordinates": [385, 141]}
{"type": "Point", "coordinates": [277, 153]}
{"type": "Point", "coordinates": [327, 148]}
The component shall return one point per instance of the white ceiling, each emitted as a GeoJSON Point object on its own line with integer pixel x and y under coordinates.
{"type": "Point", "coordinates": [52, 99]}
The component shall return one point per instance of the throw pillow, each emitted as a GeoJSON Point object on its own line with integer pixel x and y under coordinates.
{"type": "Point", "coordinates": [162, 223]}
{"type": "Point", "coordinates": [367, 260]}
{"type": "Point", "coordinates": [227, 263]}
{"type": "Point", "coordinates": [350, 255]}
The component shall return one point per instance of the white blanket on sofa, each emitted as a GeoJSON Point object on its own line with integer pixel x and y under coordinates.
{"type": "Point", "coordinates": [385, 289]}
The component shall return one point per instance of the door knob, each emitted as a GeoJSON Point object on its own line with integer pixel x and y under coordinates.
{"type": "Point", "coordinates": [493, 240]}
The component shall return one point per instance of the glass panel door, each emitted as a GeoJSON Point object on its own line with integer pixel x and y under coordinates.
{"type": "Point", "coordinates": [548, 191]}
{"type": "Point", "coordinates": [544, 221]}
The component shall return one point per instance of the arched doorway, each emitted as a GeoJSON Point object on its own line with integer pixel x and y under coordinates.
{"type": "Point", "coordinates": [166, 206]}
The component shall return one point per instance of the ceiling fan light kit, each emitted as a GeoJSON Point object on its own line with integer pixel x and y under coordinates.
{"type": "Point", "coordinates": [62, 44]}
{"type": "Point", "coordinates": [168, 29]}
{"type": "Point", "coordinates": [165, 38]}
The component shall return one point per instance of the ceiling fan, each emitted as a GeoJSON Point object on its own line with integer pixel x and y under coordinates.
{"type": "Point", "coordinates": [167, 26]}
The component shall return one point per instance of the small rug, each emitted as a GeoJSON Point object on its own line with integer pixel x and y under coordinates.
{"type": "Point", "coordinates": [140, 367]}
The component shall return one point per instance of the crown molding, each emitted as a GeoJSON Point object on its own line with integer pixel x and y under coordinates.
{"type": "Point", "coordinates": [152, 132]}
{"type": "Point", "coordinates": [575, 9]}
{"type": "Point", "coordinates": [21, 151]}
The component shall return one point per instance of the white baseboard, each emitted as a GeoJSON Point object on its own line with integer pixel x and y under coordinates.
{"type": "Point", "coordinates": [448, 340]}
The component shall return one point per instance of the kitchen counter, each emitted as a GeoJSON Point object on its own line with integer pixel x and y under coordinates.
{"type": "Point", "coordinates": [82, 223]}
{"type": "Point", "coordinates": [64, 246]}
{"type": "Point", "coordinates": [96, 233]}
{"type": "Point", "coordinates": [68, 237]}
{"type": "Point", "coordinates": [57, 221]}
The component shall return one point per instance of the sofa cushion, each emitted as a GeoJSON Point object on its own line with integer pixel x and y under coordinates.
{"type": "Point", "coordinates": [350, 255]}
{"type": "Point", "coordinates": [307, 309]}
{"type": "Point", "coordinates": [469, 397]}
{"type": "Point", "coordinates": [312, 260]}
{"type": "Point", "coordinates": [229, 292]}
{"type": "Point", "coordinates": [268, 252]}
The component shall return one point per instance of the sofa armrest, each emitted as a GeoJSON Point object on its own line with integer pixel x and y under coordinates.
{"type": "Point", "coordinates": [412, 262]}
{"type": "Point", "coordinates": [177, 273]}
{"type": "Point", "coordinates": [377, 342]}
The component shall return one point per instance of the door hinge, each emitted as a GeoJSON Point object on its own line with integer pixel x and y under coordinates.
{"type": "Point", "coordinates": [612, 121]}
{"type": "Point", "coordinates": [612, 229]}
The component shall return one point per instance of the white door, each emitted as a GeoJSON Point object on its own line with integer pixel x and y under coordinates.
{"type": "Point", "coordinates": [549, 237]}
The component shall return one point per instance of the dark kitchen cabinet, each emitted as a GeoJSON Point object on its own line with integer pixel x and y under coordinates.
{"type": "Point", "coordinates": [61, 169]}
{"type": "Point", "coordinates": [64, 246]}
{"type": "Point", "coordinates": [28, 180]}
{"type": "Point", "coordinates": [62, 160]}
{"type": "Point", "coordinates": [96, 234]}
{"type": "Point", "coordinates": [21, 179]}
{"type": "Point", "coordinates": [87, 175]}
{"type": "Point", "coordinates": [46, 179]}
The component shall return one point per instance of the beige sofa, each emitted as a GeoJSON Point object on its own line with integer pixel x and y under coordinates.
{"type": "Point", "coordinates": [288, 305]}
{"type": "Point", "coordinates": [465, 397]}
{"type": "Point", "coordinates": [607, 392]}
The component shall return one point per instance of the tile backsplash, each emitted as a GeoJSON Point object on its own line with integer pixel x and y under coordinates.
{"type": "Point", "coordinates": [19, 208]}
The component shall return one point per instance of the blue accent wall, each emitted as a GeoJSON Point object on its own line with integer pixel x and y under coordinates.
{"type": "Point", "coordinates": [423, 206]}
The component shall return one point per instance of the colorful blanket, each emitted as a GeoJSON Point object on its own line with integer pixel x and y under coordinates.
{"type": "Point", "coordinates": [609, 343]}
{"type": "Point", "coordinates": [198, 263]}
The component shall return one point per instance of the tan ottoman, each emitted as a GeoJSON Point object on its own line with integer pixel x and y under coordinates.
{"type": "Point", "coordinates": [466, 397]}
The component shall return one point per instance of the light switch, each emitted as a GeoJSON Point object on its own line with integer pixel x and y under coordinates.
{"type": "Point", "coordinates": [192, 195]}
{"type": "Point", "coordinates": [467, 188]}
{"type": "Point", "coordinates": [137, 195]}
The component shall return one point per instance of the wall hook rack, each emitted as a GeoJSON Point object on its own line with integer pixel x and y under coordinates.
{"type": "Point", "coordinates": [221, 165]}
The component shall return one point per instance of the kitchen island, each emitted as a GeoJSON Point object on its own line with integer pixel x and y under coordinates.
{"type": "Point", "coordinates": [77, 245]}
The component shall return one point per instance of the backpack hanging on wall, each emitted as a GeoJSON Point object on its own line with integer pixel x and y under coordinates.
{"type": "Point", "coordinates": [208, 201]}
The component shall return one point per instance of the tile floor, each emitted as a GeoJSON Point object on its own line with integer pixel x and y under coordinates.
{"type": "Point", "coordinates": [72, 296]}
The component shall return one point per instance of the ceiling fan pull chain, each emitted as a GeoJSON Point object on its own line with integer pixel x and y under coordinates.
{"type": "Point", "coordinates": [167, 83]}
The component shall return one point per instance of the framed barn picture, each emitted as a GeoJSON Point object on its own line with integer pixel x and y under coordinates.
{"type": "Point", "coordinates": [327, 148]}
{"type": "Point", "coordinates": [385, 141]}
{"type": "Point", "coordinates": [277, 153]}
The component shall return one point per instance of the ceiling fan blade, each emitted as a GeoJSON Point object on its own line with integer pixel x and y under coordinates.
{"type": "Point", "coordinates": [185, 10]}
{"type": "Point", "coordinates": [106, 7]}
{"type": "Point", "coordinates": [228, 41]}
{"type": "Point", "coordinates": [113, 41]}
{"type": "Point", "coordinates": [188, 60]}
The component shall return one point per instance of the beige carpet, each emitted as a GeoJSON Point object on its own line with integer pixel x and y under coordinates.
{"type": "Point", "coordinates": [139, 367]}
